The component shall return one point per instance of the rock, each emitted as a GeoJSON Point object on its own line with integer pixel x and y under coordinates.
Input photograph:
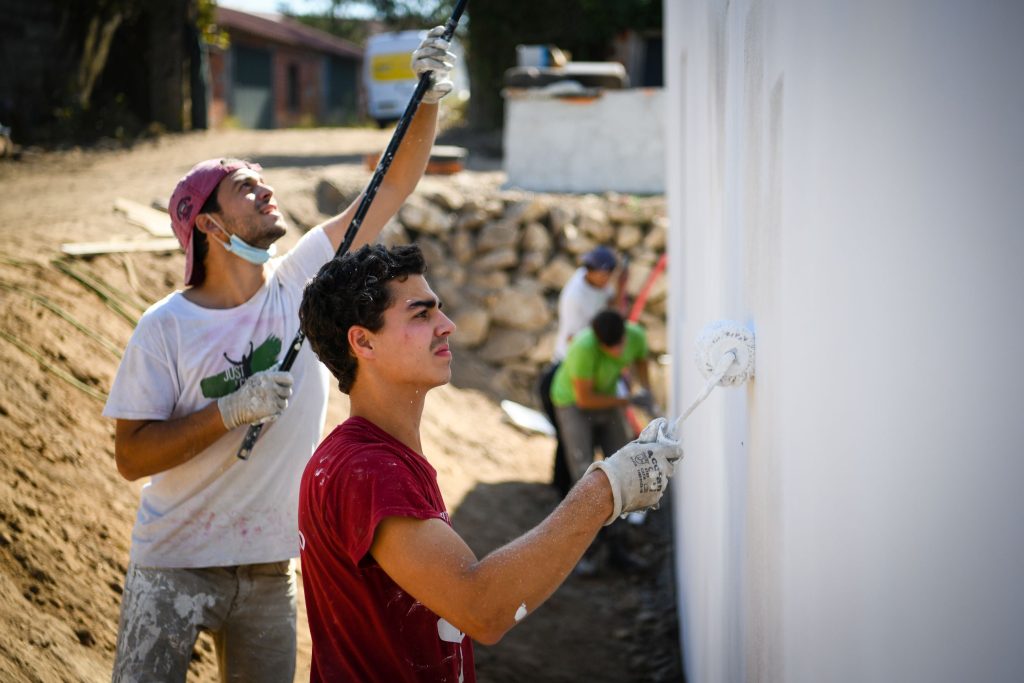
{"type": "Point", "coordinates": [423, 217]}
{"type": "Point", "coordinates": [446, 198]}
{"type": "Point", "coordinates": [471, 327]}
{"type": "Point", "coordinates": [657, 335]}
{"type": "Point", "coordinates": [627, 236]}
{"type": "Point", "coordinates": [433, 252]}
{"type": "Point", "coordinates": [332, 197]}
{"type": "Point", "coordinates": [529, 286]}
{"type": "Point", "coordinates": [659, 289]}
{"type": "Point", "coordinates": [522, 307]}
{"type": "Point", "coordinates": [495, 279]}
{"type": "Point", "coordinates": [444, 271]}
{"type": "Point", "coordinates": [570, 232]}
{"type": "Point", "coordinates": [450, 294]}
{"type": "Point", "coordinates": [531, 261]}
{"type": "Point", "coordinates": [456, 273]}
{"type": "Point", "coordinates": [328, 197]}
{"type": "Point", "coordinates": [537, 238]}
{"type": "Point", "coordinates": [393, 234]}
{"type": "Point", "coordinates": [303, 213]}
{"type": "Point", "coordinates": [556, 273]}
{"type": "Point", "coordinates": [499, 259]}
{"type": "Point", "coordinates": [657, 236]}
{"type": "Point", "coordinates": [650, 208]}
{"type": "Point", "coordinates": [558, 217]}
{"type": "Point", "coordinates": [517, 381]}
{"type": "Point", "coordinates": [461, 245]}
{"type": "Point", "coordinates": [593, 223]}
{"type": "Point", "coordinates": [621, 211]}
{"type": "Point", "coordinates": [504, 345]}
{"type": "Point", "coordinates": [527, 210]}
{"type": "Point", "coordinates": [503, 234]}
{"type": "Point", "coordinates": [474, 294]}
{"type": "Point", "coordinates": [639, 271]}
{"type": "Point", "coordinates": [578, 244]}
{"type": "Point", "coordinates": [544, 349]}
{"type": "Point", "coordinates": [471, 218]}
{"type": "Point", "coordinates": [644, 255]}
{"type": "Point", "coordinates": [658, 308]}
{"type": "Point", "coordinates": [495, 208]}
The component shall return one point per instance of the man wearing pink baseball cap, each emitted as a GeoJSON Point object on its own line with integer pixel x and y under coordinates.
{"type": "Point", "coordinates": [214, 536]}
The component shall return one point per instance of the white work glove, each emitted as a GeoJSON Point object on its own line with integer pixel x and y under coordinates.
{"type": "Point", "coordinates": [433, 55]}
{"type": "Point", "coordinates": [262, 398]}
{"type": "Point", "coordinates": [639, 471]}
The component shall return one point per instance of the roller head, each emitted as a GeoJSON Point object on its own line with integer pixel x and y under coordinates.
{"type": "Point", "coordinates": [721, 338]}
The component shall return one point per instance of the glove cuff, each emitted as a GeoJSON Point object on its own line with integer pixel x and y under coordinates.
{"type": "Point", "coordinates": [227, 415]}
{"type": "Point", "coordinates": [613, 482]}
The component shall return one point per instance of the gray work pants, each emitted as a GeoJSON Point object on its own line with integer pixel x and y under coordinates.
{"type": "Point", "coordinates": [248, 609]}
{"type": "Point", "coordinates": [583, 430]}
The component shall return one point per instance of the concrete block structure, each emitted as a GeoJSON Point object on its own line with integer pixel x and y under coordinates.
{"type": "Point", "coordinates": [844, 178]}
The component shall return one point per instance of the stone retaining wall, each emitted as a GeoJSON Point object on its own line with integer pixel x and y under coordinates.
{"type": "Point", "coordinates": [498, 260]}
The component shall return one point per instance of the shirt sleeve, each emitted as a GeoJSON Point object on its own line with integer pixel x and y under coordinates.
{"type": "Point", "coordinates": [303, 260]}
{"type": "Point", "coordinates": [374, 486]}
{"type": "Point", "coordinates": [146, 385]}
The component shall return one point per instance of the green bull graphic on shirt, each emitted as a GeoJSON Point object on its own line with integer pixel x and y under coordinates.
{"type": "Point", "coordinates": [261, 358]}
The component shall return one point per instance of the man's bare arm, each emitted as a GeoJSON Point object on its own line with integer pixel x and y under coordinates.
{"type": "Point", "coordinates": [642, 372]}
{"type": "Point", "coordinates": [588, 399]}
{"type": "Point", "coordinates": [399, 182]}
{"type": "Point", "coordinates": [483, 597]}
{"type": "Point", "coordinates": [146, 447]}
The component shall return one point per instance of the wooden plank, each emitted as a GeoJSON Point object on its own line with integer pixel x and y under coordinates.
{"type": "Point", "coordinates": [156, 223]}
{"type": "Point", "coordinates": [119, 246]}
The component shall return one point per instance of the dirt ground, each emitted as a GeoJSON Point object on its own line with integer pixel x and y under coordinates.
{"type": "Point", "coordinates": [65, 513]}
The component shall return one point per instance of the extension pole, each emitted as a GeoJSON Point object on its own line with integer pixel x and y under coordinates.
{"type": "Point", "coordinates": [364, 206]}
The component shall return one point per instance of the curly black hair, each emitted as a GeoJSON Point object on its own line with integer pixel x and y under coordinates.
{"type": "Point", "coordinates": [609, 327]}
{"type": "Point", "coordinates": [352, 290]}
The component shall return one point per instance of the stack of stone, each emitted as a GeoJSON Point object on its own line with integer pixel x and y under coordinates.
{"type": "Point", "coordinates": [498, 260]}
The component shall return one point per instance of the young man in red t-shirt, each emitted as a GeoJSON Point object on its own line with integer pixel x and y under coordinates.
{"type": "Point", "coordinates": [391, 590]}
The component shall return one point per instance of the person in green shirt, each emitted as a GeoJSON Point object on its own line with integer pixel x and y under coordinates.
{"type": "Point", "coordinates": [589, 410]}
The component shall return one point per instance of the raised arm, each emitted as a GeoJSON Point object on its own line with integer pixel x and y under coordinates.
{"type": "Point", "coordinates": [588, 399]}
{"type": "Point", "coordinates": [413, 152]}
{"type": "Point", "coordinates": [405, 172]}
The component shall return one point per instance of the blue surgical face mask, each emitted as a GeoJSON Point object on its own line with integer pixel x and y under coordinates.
{"type": "Point", "coordinates": [242, 249]}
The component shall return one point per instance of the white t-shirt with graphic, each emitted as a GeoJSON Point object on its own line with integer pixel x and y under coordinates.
{"type": "Point", "coordinates": [216, 510]}
{"type": "Point", "coordinates": [578, 303]}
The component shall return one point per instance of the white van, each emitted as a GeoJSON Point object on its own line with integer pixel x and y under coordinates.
{"type": "Point", "coordinates": [389, 77]}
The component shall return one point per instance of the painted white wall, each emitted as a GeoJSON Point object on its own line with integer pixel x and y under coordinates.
{"type": "Point", "coordinates": [847, 178]}
{"type": "Point", "coordinates": [611, 142]}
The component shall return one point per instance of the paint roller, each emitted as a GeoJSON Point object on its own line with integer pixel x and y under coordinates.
{"type": "Point", "coordinates": [725, 355]}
